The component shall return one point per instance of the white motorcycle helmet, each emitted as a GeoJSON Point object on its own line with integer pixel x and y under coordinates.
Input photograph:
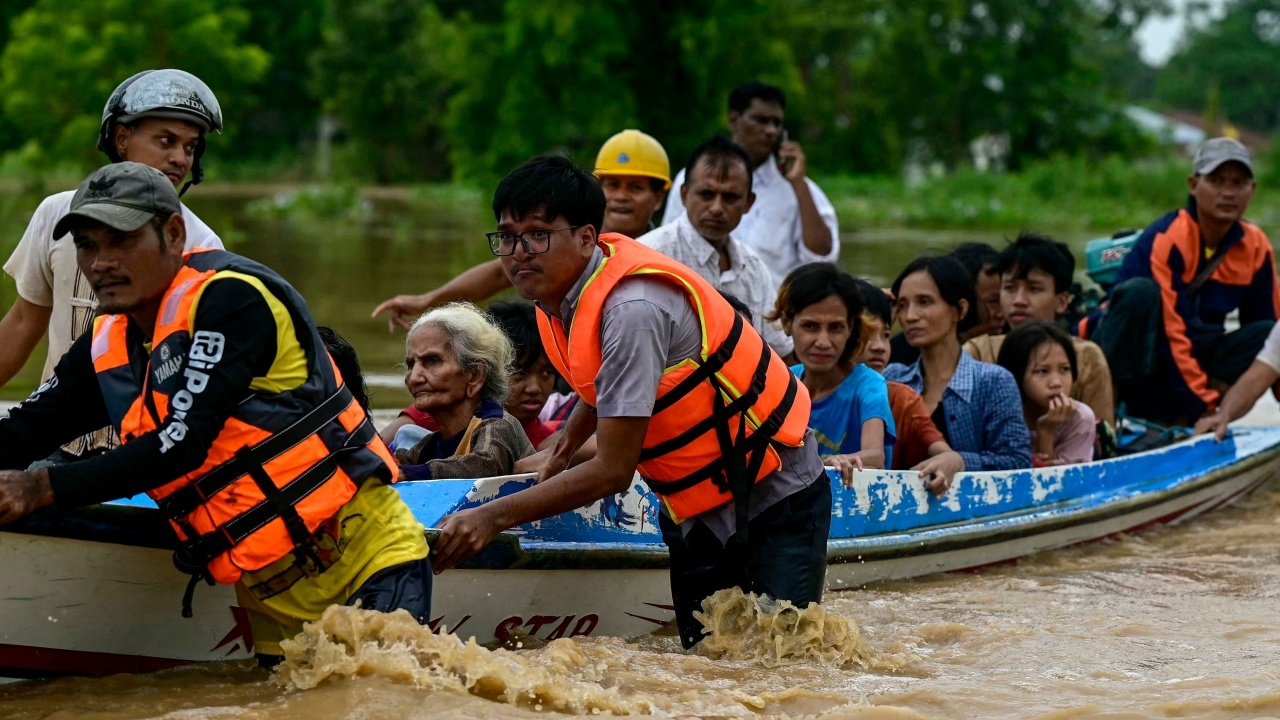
{"type": "Point", "coordinates": [162, 93]}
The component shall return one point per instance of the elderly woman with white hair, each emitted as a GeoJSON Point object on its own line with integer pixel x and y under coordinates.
{"type": "Point", "coordinates": [458, 369]}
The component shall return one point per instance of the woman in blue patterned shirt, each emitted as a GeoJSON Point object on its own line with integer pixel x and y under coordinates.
{"type": "Point", "coordinates": [976, 405]}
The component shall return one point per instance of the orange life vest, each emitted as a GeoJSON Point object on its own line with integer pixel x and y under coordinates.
{"type": "Point", "coordinates": [282, 464]}
{"type": "Point", "coordinates": [698, 451]}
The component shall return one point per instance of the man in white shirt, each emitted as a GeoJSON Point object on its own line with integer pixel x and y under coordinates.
{"type": "Point", "coordinates": [792, 222]}
{"type": "Point", "coordinates": [158, 118]}
{"type": "Point", "coordinates": [716, 196]}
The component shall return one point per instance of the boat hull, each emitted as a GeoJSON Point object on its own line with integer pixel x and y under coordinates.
{"type": "Point", "coordinates": [94, 592]}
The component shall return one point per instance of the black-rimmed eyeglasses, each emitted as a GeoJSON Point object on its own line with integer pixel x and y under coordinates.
{"type": "Point", "coordinates": [535, 242]}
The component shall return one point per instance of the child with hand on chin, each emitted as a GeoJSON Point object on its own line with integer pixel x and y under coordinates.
{"type": "Point", "coordinates": [1042, 359]}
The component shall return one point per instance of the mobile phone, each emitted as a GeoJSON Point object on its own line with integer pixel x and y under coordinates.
{"type": "Point", "coordinates": [784, 164]}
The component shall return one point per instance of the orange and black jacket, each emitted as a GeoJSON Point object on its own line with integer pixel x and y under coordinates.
{"type": "Point", "coordinates": [179, 438]}
{"type": "Point", "coordinates": [716, 418]}
{"type": "Point", "coordinates": [1171, 252]}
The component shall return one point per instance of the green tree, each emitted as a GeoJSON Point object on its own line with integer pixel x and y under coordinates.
{"type": "Point", "coordinates": [10, 137]}
{"type": "Point", "coordinates": [279, 112]}
{"type": "Point", "coordinates": [65, 57]}
{"type": "Point", "coordinates": [564, 75]}
{"type": "Point", "coordinates": [1239, 54]}
{"type": "Point", "coordinates": [884, 80]}
{"type": "Point", "coordinates": [381, 72]}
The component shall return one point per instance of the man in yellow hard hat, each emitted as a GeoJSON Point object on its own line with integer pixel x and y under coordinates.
{"type": "Point", "coordinates": [635, 174]}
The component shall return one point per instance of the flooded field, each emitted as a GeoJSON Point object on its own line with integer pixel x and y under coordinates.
{"type": "Point", "coordinates": [346, 254]}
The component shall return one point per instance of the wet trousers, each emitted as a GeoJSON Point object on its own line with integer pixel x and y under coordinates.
{"type": "Point", "coordinates": [405, 586]}
{"type": "Point", "coordinates": [1148, 380]}
{"type": "Point", "coordinates": [784, 558]}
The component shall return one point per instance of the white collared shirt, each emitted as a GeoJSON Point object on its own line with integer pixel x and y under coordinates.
{"type": "Point", "coordinates": [772, 226]}
{"type": "Point", "coordinates": [46, 273]}
{"type": "Point", "coordinates": [748, 277]}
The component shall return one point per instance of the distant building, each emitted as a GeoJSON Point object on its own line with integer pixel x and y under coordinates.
{"type": "Point", "coordinates": [1185, 128]}
{"type": "Point", "coordinates": [1166, 129]}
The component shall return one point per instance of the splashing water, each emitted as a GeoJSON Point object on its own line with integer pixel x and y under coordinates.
{"type": "Point", "coordinates": [742, 626]}
{"type": "Point", "coordinates": [349, 641]}
{"type": "Point", "coordinates": [571, 675]}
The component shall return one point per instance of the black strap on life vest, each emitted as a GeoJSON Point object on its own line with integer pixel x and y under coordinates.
{"type": "Point", "coordinates": [717, 470]}
{"type": "Point", "coordinates": [194, 555]}
{"type": "Point", "coordinates": [740, 458]}
{"type": "Point", "coordinates": [187, 499]}
{"type": "Point", "coordinates": [721, 413]}
{"type": "Point", "coordinates": [705, 371]}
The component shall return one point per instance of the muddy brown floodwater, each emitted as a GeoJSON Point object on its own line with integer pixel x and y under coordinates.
{"type": "Point", "coordinates": [1178, 622]}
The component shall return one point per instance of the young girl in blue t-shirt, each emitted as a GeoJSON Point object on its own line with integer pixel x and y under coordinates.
{"type": "Point", "coordinates": [820, 308]}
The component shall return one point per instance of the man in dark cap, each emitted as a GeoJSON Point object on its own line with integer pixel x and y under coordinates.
{"type": "Point", "coordinates": [231, 416]}
{"type": "Point", "coordinates": [1164, 329]}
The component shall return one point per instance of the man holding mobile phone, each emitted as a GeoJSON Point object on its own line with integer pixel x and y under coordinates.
{"type": "Point", "coordinates": [792, 221]}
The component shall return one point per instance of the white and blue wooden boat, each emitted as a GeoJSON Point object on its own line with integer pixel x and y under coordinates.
{"type": "Point", "coordinates": [92, 591]}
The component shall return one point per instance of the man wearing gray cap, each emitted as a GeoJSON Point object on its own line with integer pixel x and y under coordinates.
{"type": "Point", "coordinates": [1164, 329]}
{"type": "Point", "coordinates": [231, 416]}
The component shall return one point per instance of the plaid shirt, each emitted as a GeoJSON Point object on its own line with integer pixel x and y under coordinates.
{"type": "Point", "coordinates": [983, 408]}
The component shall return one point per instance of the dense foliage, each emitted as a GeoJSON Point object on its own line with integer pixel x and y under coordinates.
{"type": "Point", "coordinates": [1230, 67]}
{"type": "Point", "coordinates": [414, 90]}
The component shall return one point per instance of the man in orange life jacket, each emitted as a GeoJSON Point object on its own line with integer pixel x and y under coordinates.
{"type": "Point", "coordinates": [231, 414]}
{"type": "Point", "coordinates": [673, 383]}
{"type": "Point", "coordinates": [1163, 331]}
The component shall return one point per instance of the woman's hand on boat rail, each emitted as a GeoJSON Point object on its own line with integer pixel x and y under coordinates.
{"type": "Point", "coordinates": [939, 471]}
{"type": "Point", "coordinates": [21, 493]}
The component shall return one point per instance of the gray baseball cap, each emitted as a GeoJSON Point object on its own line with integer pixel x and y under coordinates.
{"type": "Point", "coordinates": [123, 196]}
{"type": "Point", "coordinates": [1213, 153]}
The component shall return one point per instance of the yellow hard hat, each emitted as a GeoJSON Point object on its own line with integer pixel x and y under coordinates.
{"type": "Point", "coordinates": [632, 152]}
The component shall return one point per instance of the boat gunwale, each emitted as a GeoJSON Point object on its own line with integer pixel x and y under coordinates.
{"type": "Point", "coordinates": [508, 551]}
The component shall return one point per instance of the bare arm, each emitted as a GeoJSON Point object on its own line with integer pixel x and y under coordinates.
{"type": "Point", "coordinates": [20, 332]}
{"type": "Point", "coordinates": [581, 455]}
{"type": "Point", "coordinates": [619, 440]}
{"type": "Point", "coordinates": [475, 285]}
{"type": "Point", "coordinates": [388, 433]}
{"type": "Point", "coordinates": [581, 425]}
{"type": "Point", "coordinates": [869, 456]}
{"type": "Point", "coordinates": [814, 231]}
{"type": "Point", "coordinates": [562, 449]}
{"type": "Point", "coordinates": [816, 234]}
{"type": "Point", "coordinates": [1239, 399]}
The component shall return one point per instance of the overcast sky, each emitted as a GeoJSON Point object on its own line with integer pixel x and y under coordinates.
{"type": "Point", "coordinates": [1158, 36]}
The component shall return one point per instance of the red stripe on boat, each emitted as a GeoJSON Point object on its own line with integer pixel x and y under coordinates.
{"type": "Point", "coordinates": [26, 661]}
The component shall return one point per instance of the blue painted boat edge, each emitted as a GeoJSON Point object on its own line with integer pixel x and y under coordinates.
{"type": "Point", "coordinates": [993, 530]}
{"type": "Point", "coordinates": [582, 540]}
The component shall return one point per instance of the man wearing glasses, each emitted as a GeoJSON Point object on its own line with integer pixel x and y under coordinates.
{"type": "Point", "coordinates": [656, 354]}
{"type": "Point", "coordinates": [1164, 330]}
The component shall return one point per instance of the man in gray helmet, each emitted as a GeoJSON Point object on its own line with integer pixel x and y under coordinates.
{"type": "Point", "coordinates": [158, 118]}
